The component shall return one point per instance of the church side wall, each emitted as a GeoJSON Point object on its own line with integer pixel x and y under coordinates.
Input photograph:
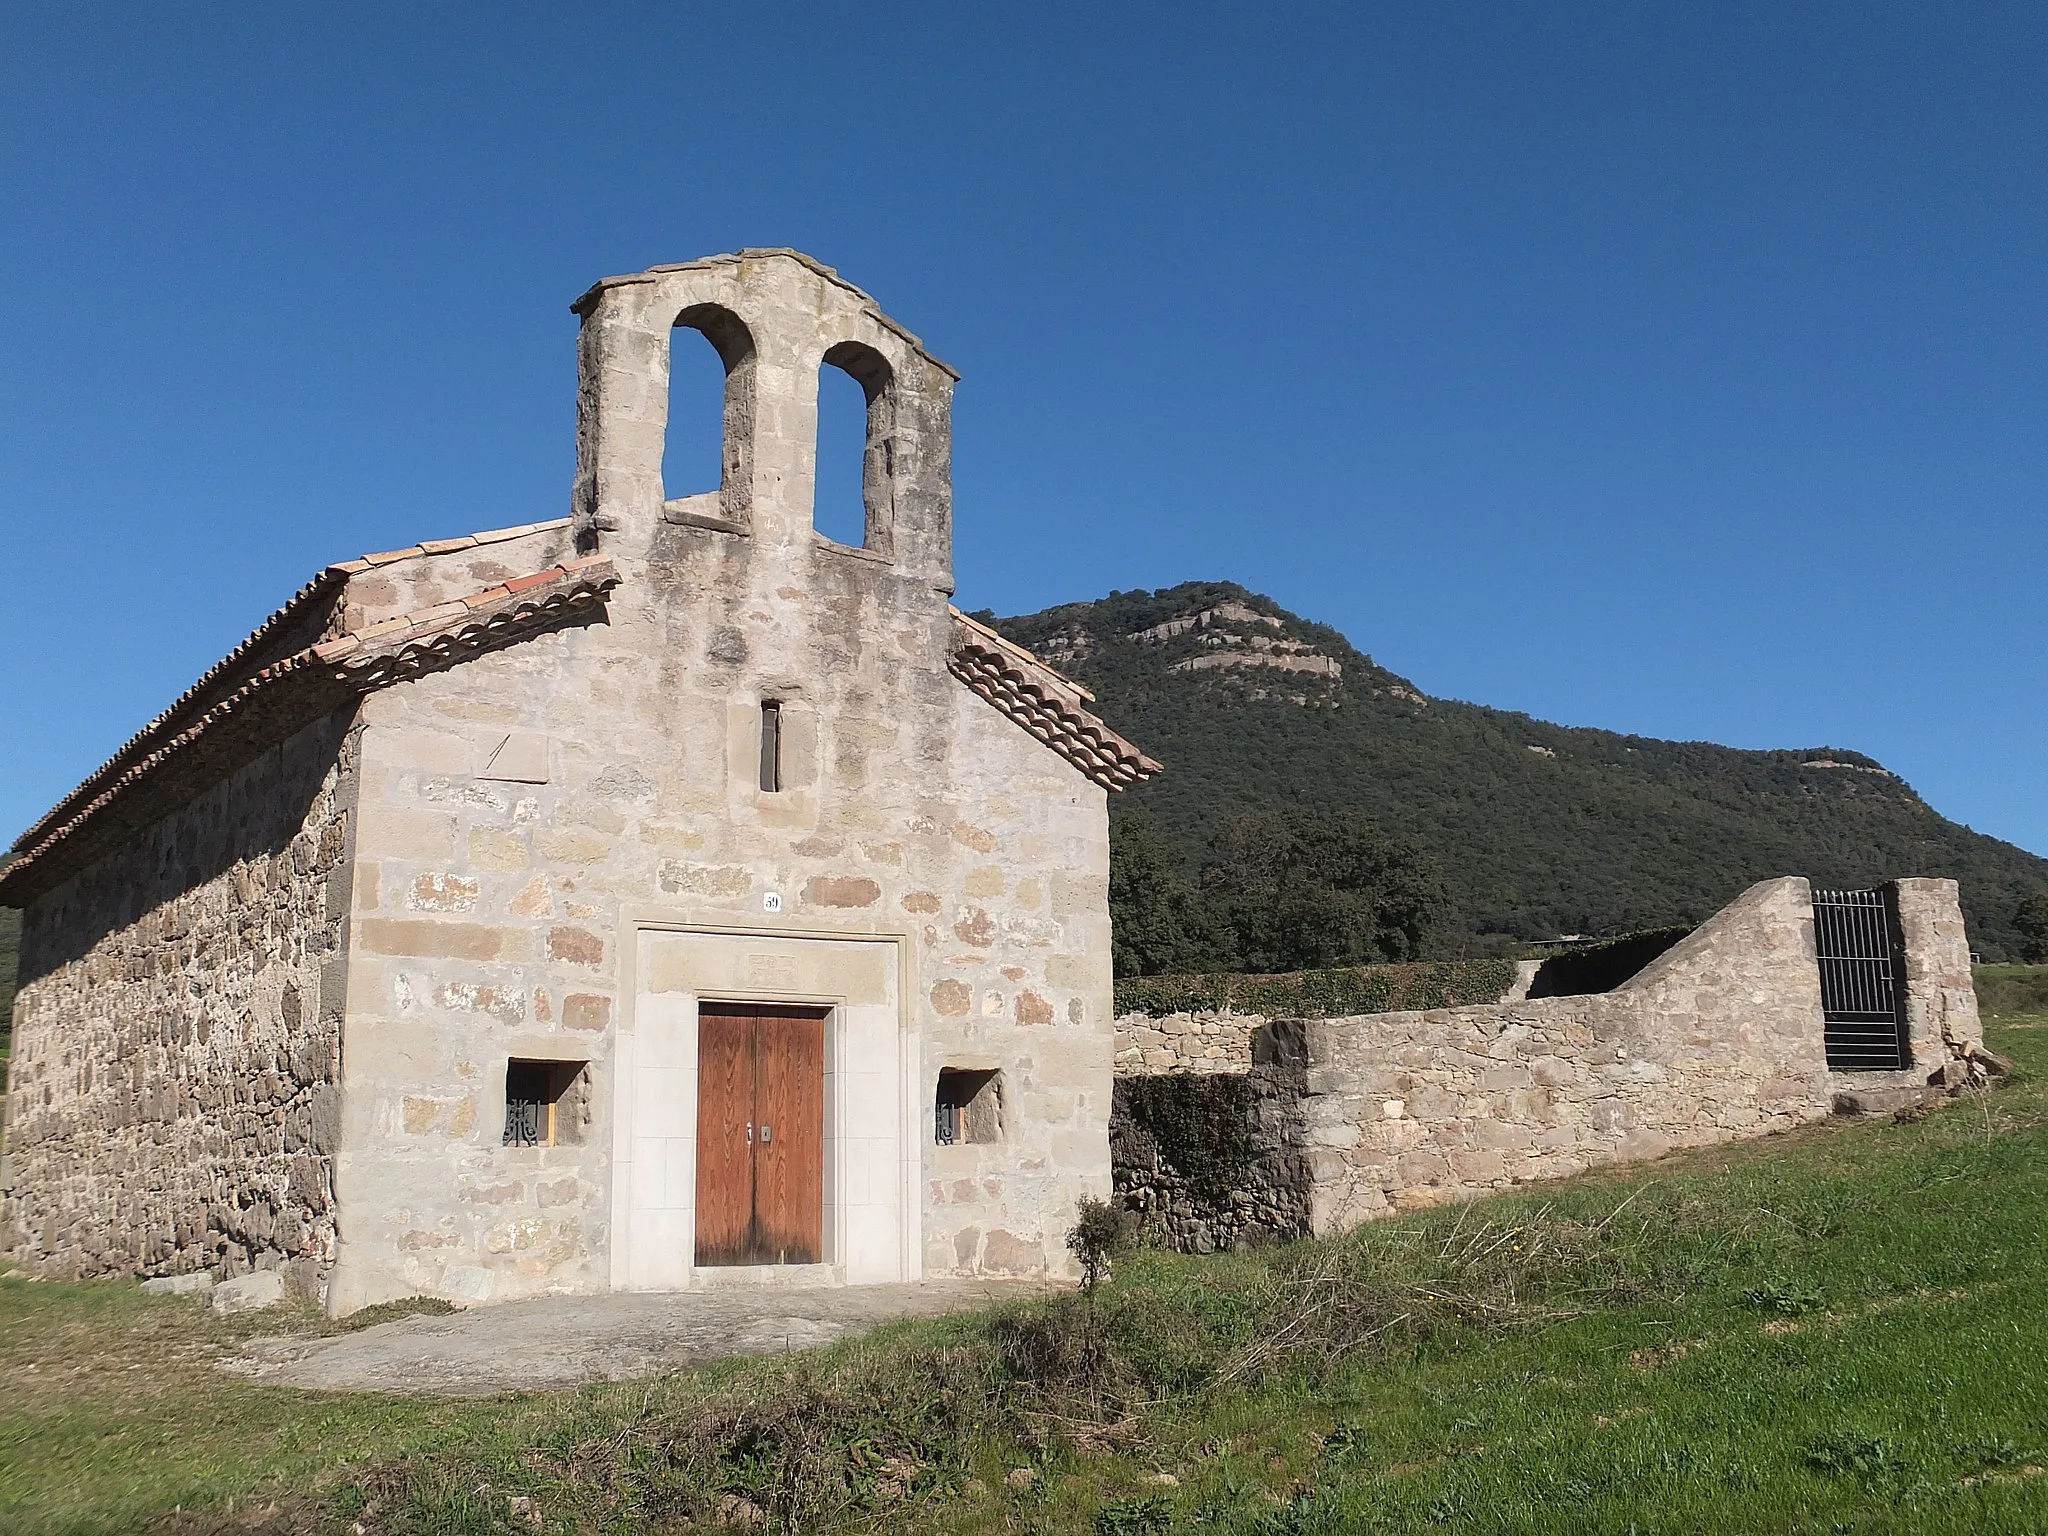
{"type": "Point", "coordinates": [1015, 973]}
{"type": "Point", "coordinates": [172, 1097]}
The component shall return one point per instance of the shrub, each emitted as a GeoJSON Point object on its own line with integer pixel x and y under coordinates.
{"type": "Point", "coordinates": [1103, 1231]}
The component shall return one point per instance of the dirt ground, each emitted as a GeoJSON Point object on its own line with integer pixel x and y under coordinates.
{"type": "Point", "coordinates": [562, 1341]}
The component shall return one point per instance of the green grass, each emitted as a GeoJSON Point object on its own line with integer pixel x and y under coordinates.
{"type": "Point", "coordinates": [2007, 989]}
{"type": "Point", "coordinates": [1843, 1329]}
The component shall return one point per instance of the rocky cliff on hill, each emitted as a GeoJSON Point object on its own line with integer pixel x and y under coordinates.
{"type": "Point", "coordinates": [1540, 829]}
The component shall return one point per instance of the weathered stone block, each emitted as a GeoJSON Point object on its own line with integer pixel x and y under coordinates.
{"type": "Point", "coordinates": [247, 1293]}
{"type": "Point", "coordinates": [494, 849]}
{"type": "Point", "coordinates": [565, 845]}
{"type": "Point", "coordinates": [425, 938]}
{"type": "Point", "coordinates": [586, 1011]}
{"type": "Point", "coordinates": [575, 946]}
{"type": "Point", "coordinates": [196, 1283]}
{"type": "Point", "coordinates": [841, 891]}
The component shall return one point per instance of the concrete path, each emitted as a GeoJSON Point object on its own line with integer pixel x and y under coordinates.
{"type": "Point", "coordinates": [565, 1341]}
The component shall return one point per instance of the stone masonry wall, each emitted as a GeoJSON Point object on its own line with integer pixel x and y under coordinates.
{"type": "Point", "coordinates": [523, 812]}
{"type": "Point", "coordinates": [1942, 1025]}
{"type": "Point", "coordinates": [491, 917]}
{"type": "Point", "coordinates": [1214, 1160]}
{"type": "Point", "coordinates": [1221, 1039]}
{"type": "Point", "coordinates": [1721, 1037]}
{"type": "Point", "coordinates": [1198, 1042]}
{"type": "Point", "coordinates": [172, 1102]}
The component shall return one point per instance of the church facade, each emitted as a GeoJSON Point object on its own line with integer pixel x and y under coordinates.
{"type": "Point", "coordinates": [662, 897]}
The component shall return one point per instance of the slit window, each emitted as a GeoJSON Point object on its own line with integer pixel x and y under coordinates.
{"type": "Point", "coordinates": [544, 1103]}
{"type": "Point", "coordinates": [771, 746]}
{"type": "Point", "coordinates": [968, 1108]}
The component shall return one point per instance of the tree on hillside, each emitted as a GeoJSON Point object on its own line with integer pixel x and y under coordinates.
{"type": "Point", "coordinates": [1297, 890]}
{"type": "Point", "coordinates": [2031, 923]}
{"type": "Point", "coordinates": [1538, 829]}
{"type": "Point", "coordinates": [1157, 926]}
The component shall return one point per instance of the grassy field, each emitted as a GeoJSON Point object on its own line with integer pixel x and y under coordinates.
{"type": "Point", "coordinates": [2009, 989]}
{"type": "Point", "coordinates": [1844, 1329]}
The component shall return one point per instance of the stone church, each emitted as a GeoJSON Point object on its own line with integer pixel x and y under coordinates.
{"type": "Point", "coordinates": [662, 897]}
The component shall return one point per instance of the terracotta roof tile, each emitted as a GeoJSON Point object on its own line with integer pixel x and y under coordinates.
{"type": "Point", "coordinates": [1005, 643]}
{"type": "Point", "coordinates": [445, 546]}
{"type": "Point", "coordinates": [323, 585]}
{"type": "Point", "coordinates": [1044, 703]}
{"type": "Point", "coordinates": [518, 531]}
{"type": "Point", "coordinates": [325, 674]}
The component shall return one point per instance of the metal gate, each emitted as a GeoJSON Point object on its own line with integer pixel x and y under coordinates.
{"type": "Point", "coordinates": [1861, 998]}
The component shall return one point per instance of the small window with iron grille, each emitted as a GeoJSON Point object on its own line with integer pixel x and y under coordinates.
{"type": "Point", "coordinates": [544, 1103]}
{"type": "Point", "coordinates": [1862, 982]}
{"type": "Point", "coordinates": [968, 1107]}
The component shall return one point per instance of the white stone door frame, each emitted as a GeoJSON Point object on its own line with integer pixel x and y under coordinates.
{"type": "Point", "coordinates": [873, 1153]}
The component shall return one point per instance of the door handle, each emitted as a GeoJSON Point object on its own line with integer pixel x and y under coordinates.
{"type": "Point", "coordinates": [767, 1133]}
{"type": "Point", "coordinates": [750, 1133]}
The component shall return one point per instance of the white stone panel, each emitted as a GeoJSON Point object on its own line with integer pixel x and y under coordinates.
{"type": "Point", "coordinates": [869, 1116]}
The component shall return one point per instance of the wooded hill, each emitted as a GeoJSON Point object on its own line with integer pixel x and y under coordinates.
{"type": "Point", "coordinates": [1538, 829]}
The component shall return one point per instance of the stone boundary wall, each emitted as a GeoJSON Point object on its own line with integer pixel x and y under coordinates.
{"type": "Point", "coordinates": [1205, 1040]}
{"type": "Point", "coordinates": [1718, 1038]}
{"type": "Point", "coordinates": [1721, 1037]}
{"type": "Point", "coordinates": [176, 1036]}
{"type": "Point", "coordinates": [1213, 1160]}
{"type": "Point", "coordinates": [1942, 1021]}
{"type": "Point", "coordinates": [1200, 1042]}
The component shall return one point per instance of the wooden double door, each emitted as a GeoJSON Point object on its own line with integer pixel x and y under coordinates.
{"type": "Point", "coordinates": [760, 1134]}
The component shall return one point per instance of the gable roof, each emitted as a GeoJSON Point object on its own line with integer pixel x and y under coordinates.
{"type": "Point", "coordinates": [302, 606]}
{"type": "Point", "coordinates": [211, 729]}
{"type": "Point", "coordinates": [243, 698]}
{"type": "Point", "coordinates": [1045, 703]}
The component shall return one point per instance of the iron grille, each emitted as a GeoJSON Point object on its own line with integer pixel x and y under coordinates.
{"type": "Point", "coordinates": [529, 1103]}
{"type": "Point", "coordinates": [525, 1122]}
{"type": "Point", "coordinates": [1854, 934]}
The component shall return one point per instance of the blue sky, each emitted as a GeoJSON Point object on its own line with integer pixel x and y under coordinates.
{"type": "Point", "coordinates": [1675, 369]}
